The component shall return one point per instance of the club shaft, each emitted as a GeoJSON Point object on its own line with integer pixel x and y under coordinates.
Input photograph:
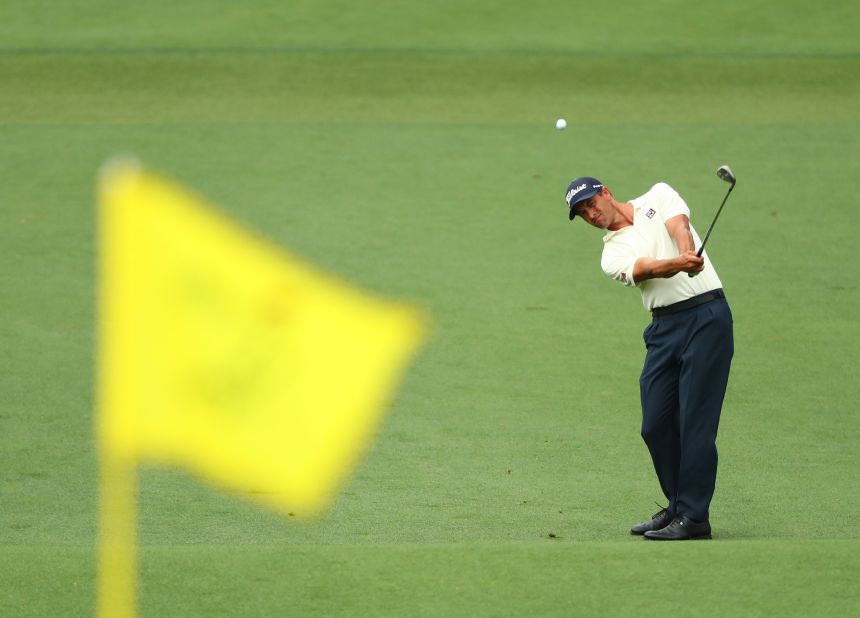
{"type": "Point", "coordinates": [710, 229]}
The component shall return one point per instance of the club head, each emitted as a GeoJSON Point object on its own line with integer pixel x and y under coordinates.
{"type": "Point", "coordinates": [726, 173]}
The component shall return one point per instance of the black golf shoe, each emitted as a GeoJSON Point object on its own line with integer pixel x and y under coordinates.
{"type": "Point", "coordinates": [658, 520]}
{"type": "Point", "coordinates": [681, 529]}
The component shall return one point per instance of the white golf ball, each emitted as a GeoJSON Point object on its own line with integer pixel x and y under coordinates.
{"type": "Point", "coordinates": [560, 123]}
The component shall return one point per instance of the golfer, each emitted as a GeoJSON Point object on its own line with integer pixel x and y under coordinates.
{"type": "Point", "coordinates": [649, 244]}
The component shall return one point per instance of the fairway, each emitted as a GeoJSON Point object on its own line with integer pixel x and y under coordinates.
{"type": "Point", "coordinates": [410, 148]}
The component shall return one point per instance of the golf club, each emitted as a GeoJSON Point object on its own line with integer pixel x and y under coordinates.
{"type": "Point", "coordinates": [725, 173]}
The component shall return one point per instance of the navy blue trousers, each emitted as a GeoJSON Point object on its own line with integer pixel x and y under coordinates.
{"type": "Point", "coordinates": [682, 387]}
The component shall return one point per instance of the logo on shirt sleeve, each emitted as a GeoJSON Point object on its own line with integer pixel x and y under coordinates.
{"type": "Point", "coordinates": [651, 212]}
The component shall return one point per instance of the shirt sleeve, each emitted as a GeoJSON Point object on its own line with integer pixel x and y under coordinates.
{"type": "Point", "coordinates": [669, 203]}
{"type": "Point", "coordinates": [617, 263]}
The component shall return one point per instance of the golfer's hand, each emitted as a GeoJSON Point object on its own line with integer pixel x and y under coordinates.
{"type": "Point", "coordinates": [690, 263]}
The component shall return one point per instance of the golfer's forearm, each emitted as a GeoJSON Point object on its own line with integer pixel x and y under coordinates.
{"type": "Point", "coordinates": [679, 230]}
{"type": "Point", "coordinates": [652, 268]}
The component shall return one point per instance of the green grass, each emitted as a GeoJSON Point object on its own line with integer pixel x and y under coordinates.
{"type": "Point", "coordinates": [556, 579]}
{"type": "Point", "coordinates": [410, 148]}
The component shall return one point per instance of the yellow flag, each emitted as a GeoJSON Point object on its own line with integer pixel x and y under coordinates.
{"type": "Point", "coordinates": [226, 356]}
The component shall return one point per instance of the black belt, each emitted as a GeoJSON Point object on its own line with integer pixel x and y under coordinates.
{"type": "Point", "coordinates": [701, 299]}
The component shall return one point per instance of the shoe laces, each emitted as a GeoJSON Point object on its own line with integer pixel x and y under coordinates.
{"type": "Point", "coordinates": [662, 510]}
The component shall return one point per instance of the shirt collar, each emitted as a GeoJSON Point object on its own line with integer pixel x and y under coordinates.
{"type": "Point", "coordinates": [636, 209]}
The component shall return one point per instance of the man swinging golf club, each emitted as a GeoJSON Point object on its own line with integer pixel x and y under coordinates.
{"type": "Point", "coordinates": [650, 244]}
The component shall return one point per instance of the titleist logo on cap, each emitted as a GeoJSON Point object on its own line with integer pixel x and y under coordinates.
{"type": "Point", "coordinates": [578, 188]}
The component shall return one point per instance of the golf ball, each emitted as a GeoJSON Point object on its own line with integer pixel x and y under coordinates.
{"type": "Point", "coordinates": [560, 123]}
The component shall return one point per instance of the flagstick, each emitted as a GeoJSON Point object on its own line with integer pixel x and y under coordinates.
{"type": "Point", "coordinates": [117, 400]}
{"type": "Point", "coordinates": [117, 568]}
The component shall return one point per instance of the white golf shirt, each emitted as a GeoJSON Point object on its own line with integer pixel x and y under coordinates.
{"type": "Point", "coordinates": [649, 238]}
